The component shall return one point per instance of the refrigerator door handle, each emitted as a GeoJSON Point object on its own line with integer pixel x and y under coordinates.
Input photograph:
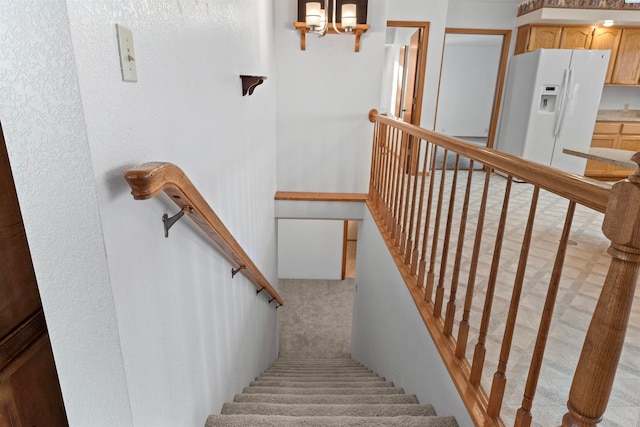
{"type": "Point", "coordinates": [562, 108]}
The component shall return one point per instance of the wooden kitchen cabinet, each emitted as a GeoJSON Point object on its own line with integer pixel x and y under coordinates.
{"type": "Point", "coordinates": [629, 142]}
{"type": "Point", "coordinates": [522, 39]}
{"type": "Point", "coordinates": [629, 137]}
{"type": "Point", "coordinates": [576, 37]}
{"type": "Point", "coordinates": [605, 135]}
{"type": "Point", "coordinates": [607, 38]}
{"type": "Point", "coordinates": [532, 37]}
{"type": "Point", "coordinates": [623, 42]}
{"type": "Point", "coordinates": [544, 38]}
{"type": "Point", "coordinates": [627, 64]}
{"type": "Point", "coordinates": [618, 135]}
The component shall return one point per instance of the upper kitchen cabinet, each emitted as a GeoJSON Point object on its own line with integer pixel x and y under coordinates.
{"type": "Point", "coordinates": [627, 65]}
{"type": "Point", "coordinates": [624, 43]}
{"type": "Point", "coordinates": [576, 37]}
{"type": "Point", "coordinates": [607, 38]}
{"type": "Point", "coordinates": [544, 38]}
{"type": "Point", "coordinates": [533, 37]}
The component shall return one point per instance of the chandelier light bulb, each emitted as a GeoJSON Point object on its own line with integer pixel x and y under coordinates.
{"type": "Point", "coordinates": [313, 15]}
{"type": "Point", "coordinates": [349, 18]}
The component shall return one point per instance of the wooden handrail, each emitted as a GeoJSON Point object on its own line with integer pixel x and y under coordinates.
{"type": "Point", "coordinates": [398, 150]}
{"type": "Point", "coordinates": [149, 179]}
{"type": "Point", "coordinates": [584, 191]}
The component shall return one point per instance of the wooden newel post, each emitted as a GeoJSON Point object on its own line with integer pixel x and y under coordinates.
{"type": "Point", "coordinates": [598, 362]}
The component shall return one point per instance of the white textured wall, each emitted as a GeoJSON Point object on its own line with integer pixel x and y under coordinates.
{"type": "Point", "coordinates": [324, 96]}
{"type": "Point", "coordinates": [148, 330]}
{"type": "Point", "coordinates": [495, 15]}
{"type": "Point", "coordinates": [615, 98]}
{"type": "Point", "coordinates": [389, 335]}
{"type": "Point", "coordinates": [145, 330]}
{"type": "Point", "coordinates": [467, 88]}
{"type": "Point", "coordinates": [45, 132]}
{"type": "Point", "coordinates": [310, 249]}
{"type": "Point", "coordinates": [389, 89]}
{"type": "Point", "coordinates": [325, 91]}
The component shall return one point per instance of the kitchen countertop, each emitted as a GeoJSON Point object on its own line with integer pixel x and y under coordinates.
{"type": "Point", "coordinates": [618, 116]}
{"type": "Point", "coordinates": [610, 156]}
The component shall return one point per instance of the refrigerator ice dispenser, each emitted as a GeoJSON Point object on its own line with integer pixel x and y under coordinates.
{"type": "Point", "coordinates": [548, 98]}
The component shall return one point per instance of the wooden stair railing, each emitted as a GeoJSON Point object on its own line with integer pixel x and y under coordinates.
{"type": "Point", "coordinates": [598, 362]}
{"type": "Point", "coordinates": [413, 213]}
{"type": "Point", "coordinates": [149, 179]}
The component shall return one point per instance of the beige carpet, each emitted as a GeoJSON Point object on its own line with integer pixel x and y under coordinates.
{"type": "Point", "coordinates": [316, 321]}
{"type": "Point", "coordinates": [330, 392]}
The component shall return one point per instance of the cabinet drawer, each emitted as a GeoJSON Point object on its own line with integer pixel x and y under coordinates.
{"type": "Point", "coordinates": [631, 128]}
{"type": "Point", "coordinates": [629, 142]}
{"type": "Point", "coordinates": [607, 128]}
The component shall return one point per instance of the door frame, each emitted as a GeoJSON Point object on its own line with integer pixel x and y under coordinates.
{"type": "Point", "coordinates": [500, 78]}
{"type": "Point", "coordinates": [420, 65]}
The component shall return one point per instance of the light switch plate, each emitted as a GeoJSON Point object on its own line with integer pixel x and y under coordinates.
{"type": "Point", "coordinates": [127, 54]}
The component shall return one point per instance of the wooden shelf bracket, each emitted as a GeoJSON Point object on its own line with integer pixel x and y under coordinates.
{"type": "Point", "coordinates": [249, 83]}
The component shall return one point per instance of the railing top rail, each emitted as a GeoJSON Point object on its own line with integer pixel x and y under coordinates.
{"type": "Point", "coordinates": [149, 179]}
{"type": "Point", "coordinates": [585, 191]}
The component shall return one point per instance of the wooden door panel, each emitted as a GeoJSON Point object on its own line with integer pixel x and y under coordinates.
{"type": "Point", "coordinates": [400, 81]}
{"type": "Point", "coordinates": [629, 142]}
{"type": "Point", "coordinates": [626, 142]}
{"type": "Point", "coordinates": [607, 38]}
{"type": "Point", "coordinates": [31, 393]}
{"type": "Point", "coordinates": [576, 37]}
{"type": "Point", "coordinates": [29, 390]}
{"type": "Point", "coordinates": [597, 169]}
{"type": "Point", "coordinates": [604, 128]}
{"type": "Point", "coordinates": [412, 73]}
{"type": "Point", "coordinates": [522, 39]}
{"type": "Point", "coordinates": [410, 107]}
{"type": "Point", "coordinates": [544, 38]}
{"type": "Point", "coordinates": [627, 67]}
{"type": "Point", "coordinates": [19, 297]}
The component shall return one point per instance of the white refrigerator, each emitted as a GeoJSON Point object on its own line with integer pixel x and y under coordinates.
{"type": "Point", "coordinates": [551, 103]}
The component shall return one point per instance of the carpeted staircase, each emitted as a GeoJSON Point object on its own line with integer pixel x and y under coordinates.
{"type": "Point", "coordinates": [327, 392]}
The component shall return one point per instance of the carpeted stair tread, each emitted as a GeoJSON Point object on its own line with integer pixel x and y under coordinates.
{"type": "Point", "coordinates": [320, 375]}
{"type": "Point", "coordinates": [284, 421]}
{"type": "Point", "coordinates": [314, 379]}
{"type": "Point", "coordinates": [324, 390]}
{"type": "Point", "coordinates": [319, 384]}
{"type": "Point", "coordinates": [337, 370]}
{"type": "Point", "coordinates": [316, 373]}
{"type": "Point", "coordinates": [355, 399]}
{"type": "Point", "coordinates": [329, 410]}
{"type": "Point", "coordinates": [320, 369]}
{"type": "Point", "coordinates": [328, 372]}
{"type": "Point", "coordinates": [319, 393]}
{"type": "Point", "coordinates": [316, 362]}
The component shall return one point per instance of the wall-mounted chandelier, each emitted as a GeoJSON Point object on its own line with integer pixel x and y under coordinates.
{"type": "Point", "coordinates": [322, 18]}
